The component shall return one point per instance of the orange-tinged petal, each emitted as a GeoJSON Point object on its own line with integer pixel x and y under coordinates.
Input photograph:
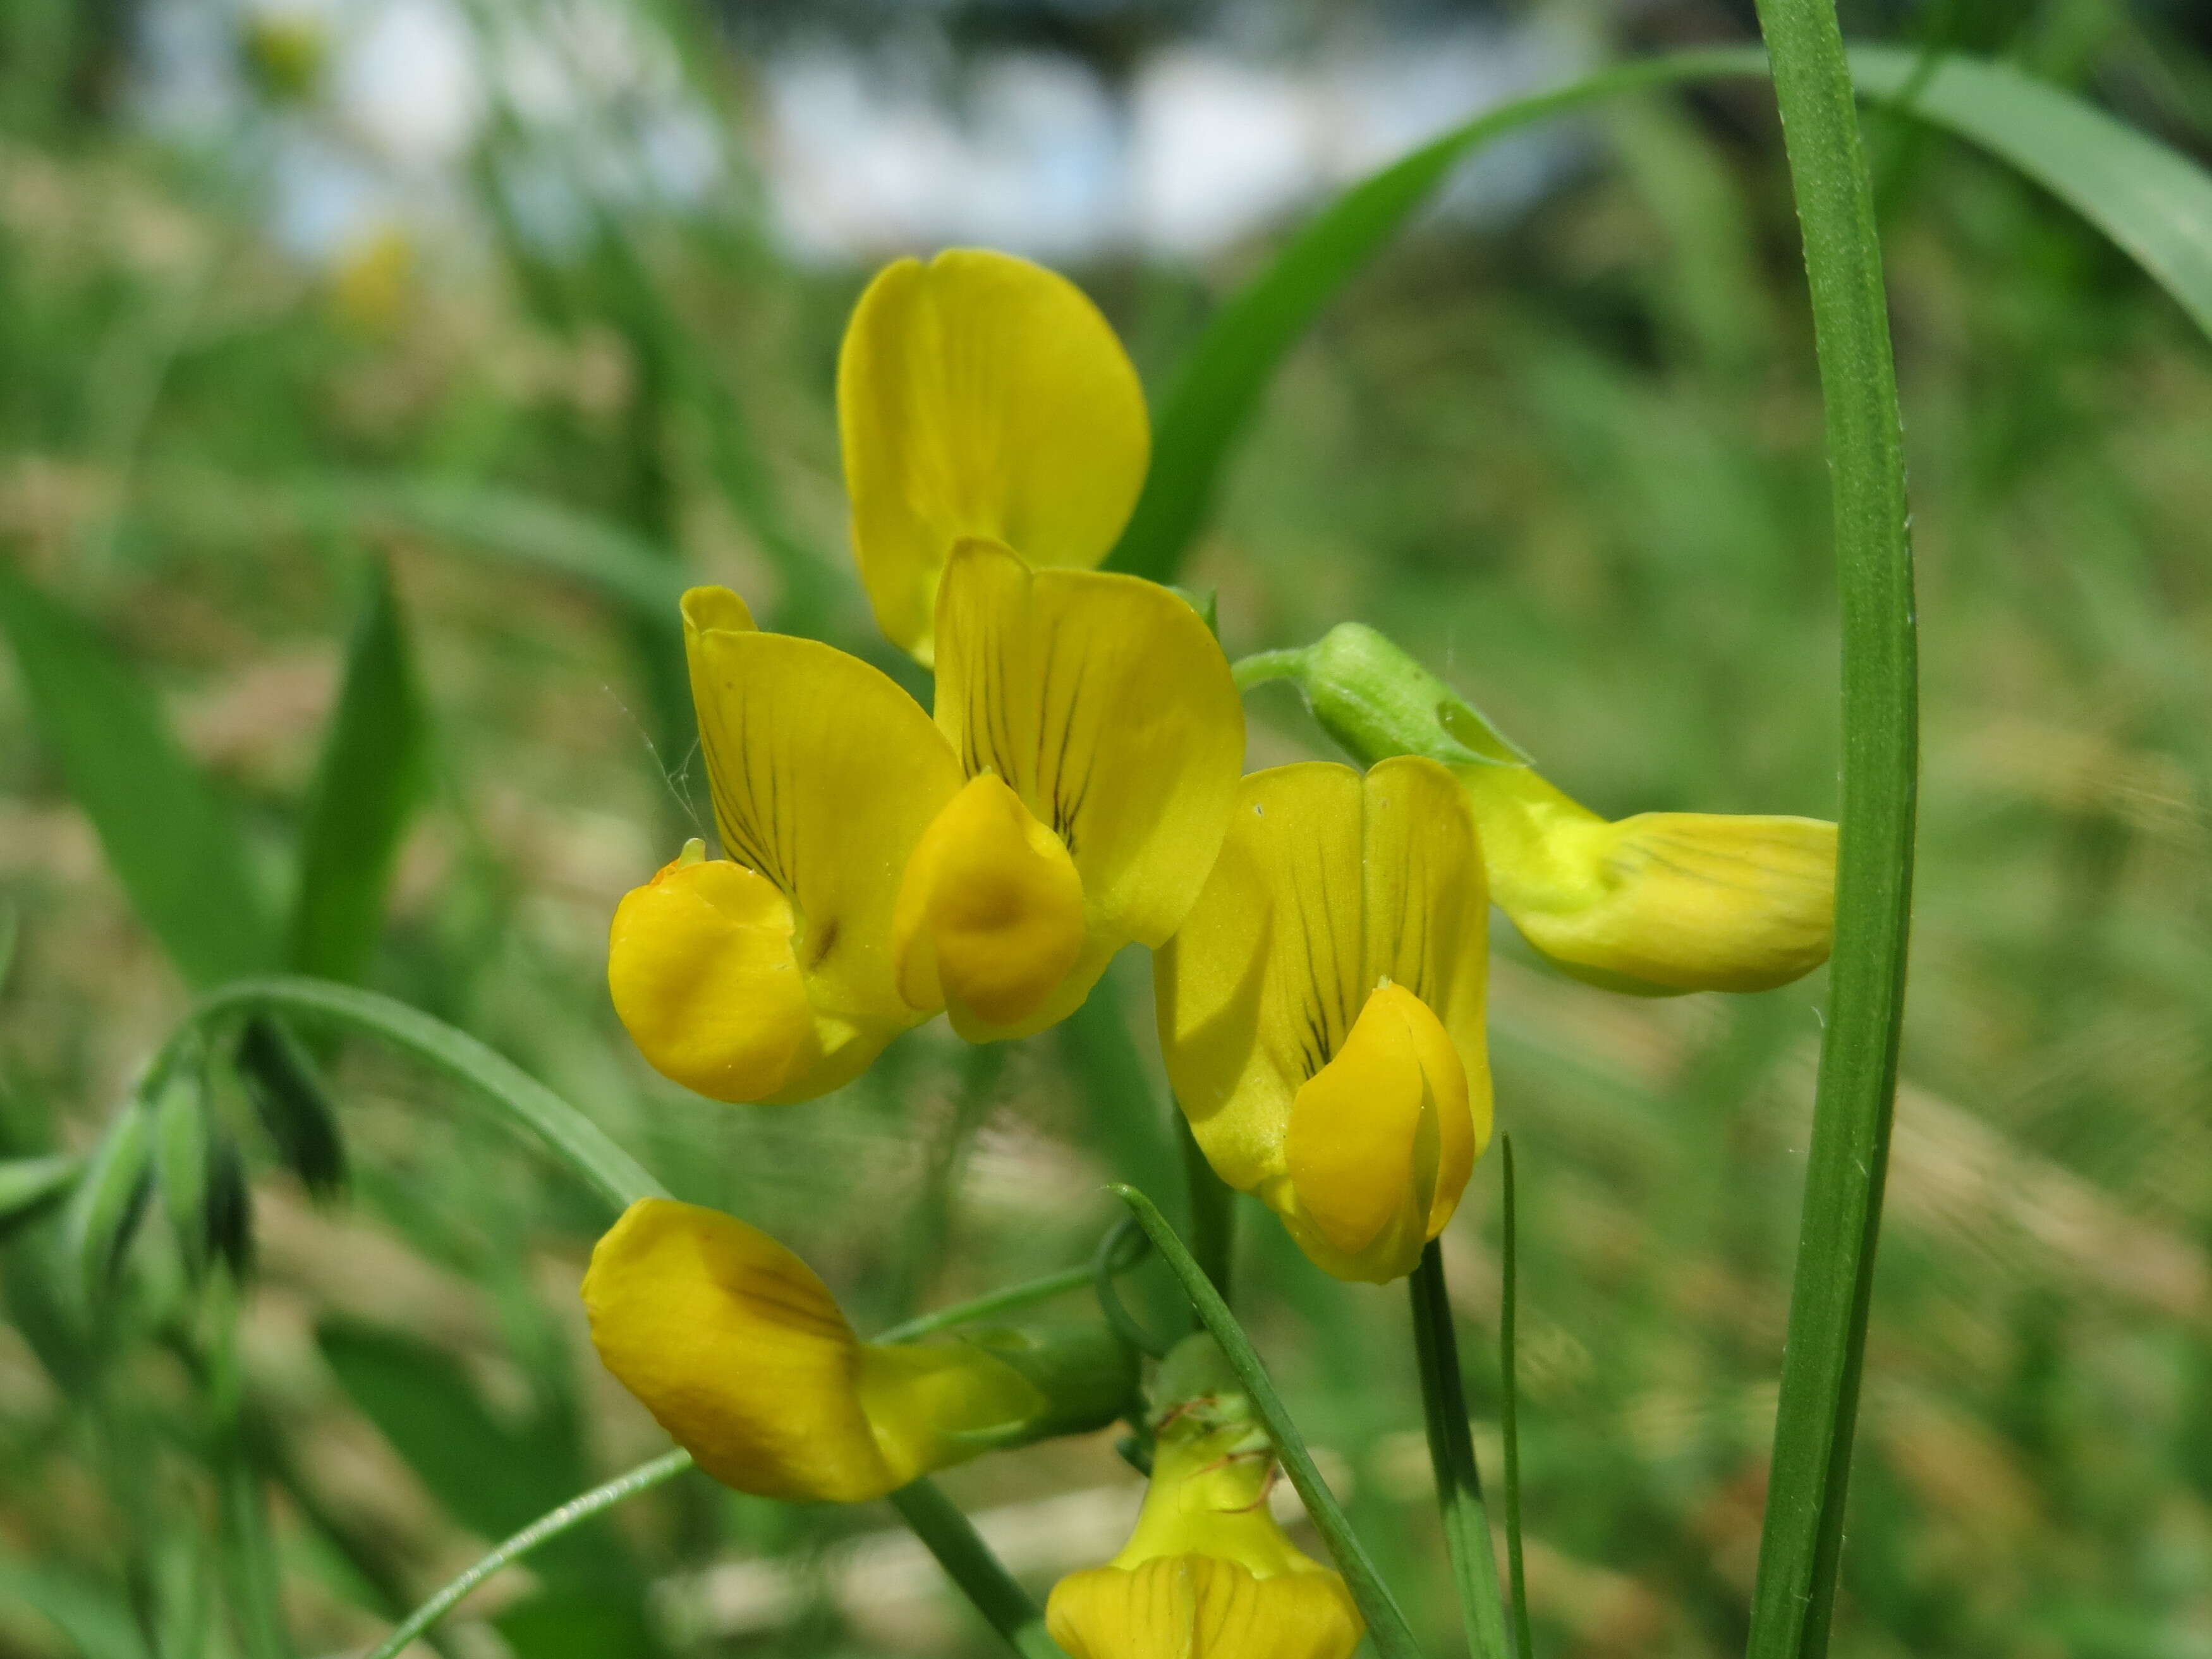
{"type": "Point", "coordinates": [981, 395]}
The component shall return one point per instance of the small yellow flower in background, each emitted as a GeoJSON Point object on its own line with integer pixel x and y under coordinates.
{"type": "Point", "coordinates": [981, 395]}
{"type": "Point", "coordinates": [1208, 1573]}
{"type": "Point", "coordinates": [1663, 902]}
{"type": "Point", "coordinates": [1321, 1009]}
{"type": "Point", "coordinates": [767, 976]}
{"type": "Point", "coordinates": [374, 281]}
{"type": "Point", "coordinates": [742, 1354]}
{"type": "Point", "coordinates": [1099, 730]}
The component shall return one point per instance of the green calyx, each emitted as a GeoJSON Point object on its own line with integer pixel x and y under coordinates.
{"type": "Point", "coordinates": [1376, 702]}
{"type": "Point", "coordinates": [1085, 1377]}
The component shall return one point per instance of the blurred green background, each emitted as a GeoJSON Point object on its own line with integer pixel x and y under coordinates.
{"type": "Point", "coordinates": [285, 315]}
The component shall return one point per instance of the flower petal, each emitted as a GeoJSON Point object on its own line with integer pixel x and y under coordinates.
{"type": "Point", "coordinates": [825, 774]}
{"type": "Point", "coordinates": [1105, 703]}
{"type": "Point", "coordinates": [981, 395]}
{"type": "Point", "coordinates": [1201, 1607]}
{"type": "Point", "coordinates": [737, 1349]}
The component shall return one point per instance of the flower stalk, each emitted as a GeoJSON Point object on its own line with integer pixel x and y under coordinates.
{"type": "Point", "coordinates": [1451, 1455]}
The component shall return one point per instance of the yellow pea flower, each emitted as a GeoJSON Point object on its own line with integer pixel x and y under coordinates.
{"type": "Point", "coordinates": [1067, 800]}
{"type": "Point", "coordinates": [981, 395]}
{"type": "Point", "coordinates": [1099, 730]}
{"type": "Point", "coordinates": [742, 1354]}
{"type": "Point", "coordinates": [1663, 902]}
{"type": "Point", "coordinates": [768, 975]}
{"type": "Point", "coordinates": [1321, 1009]}
{"type": "Point", "coordinates": [1208, 1573]}
{"type": "Point", "coordinates": [1655, 905]}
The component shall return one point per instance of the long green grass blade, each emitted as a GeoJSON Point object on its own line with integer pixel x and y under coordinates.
{"type": "Point", "coordinates": [2152, 201]}
{"type": "Point", "coordinates": [1386, 1621]}
{"type": "Point", "coordinates": [169, 837]}
{"type": "Point", "coordinates": [574, 1513]}
{"type": "Point", "coordinates": [1794, 1600]}
{"type": "Point", "coordinates": [374, 765]}
{"type": "Point", "coordinates": [1451, 1457]}
{"type": "Point", "coordinates": [1508, 1399]}
{"type": "Point", "coordinates": [521, 1098]}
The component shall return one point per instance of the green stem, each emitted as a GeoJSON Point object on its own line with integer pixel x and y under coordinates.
{"type": "Point", "coordinates": [967, 1561]}
{"type": "Point", "coordinates": [1451, 1454]}
{"type": "Point", "coordinates": [1386, 1621]}
{"type": "Point", "coordinates": [1824, 1352]}
{"type": "Point", "coordinates": [1508, 1319]}
{"type": "Point", "coordinates": [983, 1307]}
{"type": "Point", "coordinates": [550, 1525]}
{"type": "Point", "coordinates": [1212, 1212]}
{"type": "Point", "coordinates": [1264, 665]}
{"type": "Point", "coordinates": [580, 1143]}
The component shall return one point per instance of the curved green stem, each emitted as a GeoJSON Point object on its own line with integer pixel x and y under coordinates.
{"type": "Point", "coordinates": [1824, 1352]}
{"type": "Point", "coordinates": [984, 1307]}
{"type": "Point", "coordinates": [1264, 665]}
{"type": "Point", "coordinates": [525, 1102]}
{"type": "Point", "coordinates": [1386, 1621]}
{"type": "Point", "coordinates": [1451, 1455]}
{"type": "Point", "coordinates": [550, 1525]}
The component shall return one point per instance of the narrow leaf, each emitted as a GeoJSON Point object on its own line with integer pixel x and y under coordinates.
{"type": "Point", "coordinates": [374, 765]}
{"type": "Point", "coordinates": [1452, 1459]}
{"type": "Point", "coordinates": [104, 1209]}
{"type": "Point", "coordinates": [169, 837]}
{"type": "Point", "coordinates": [184, 1162]}
{"type": "Point", "coordinates": [27, 1185]}
{"type": "Point", "coordinates": [288, 1096]}
{"type": "Point", "coordinates": [230, 1208]}
{"type": "Point", "coordinates": [1508, 1414]}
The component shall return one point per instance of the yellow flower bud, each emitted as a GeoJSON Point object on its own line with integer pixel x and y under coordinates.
{"type": "Point", "coordinates": [1661, 903]}
{"type": "Point", "coordinates": [731, 1341]}
{"type": "Point", "coordinates": [1208, 1573]}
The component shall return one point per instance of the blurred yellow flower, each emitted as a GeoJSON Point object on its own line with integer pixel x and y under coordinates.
{"type": "Point", "coordinates": [1069, 800]}
{"type": "Point", "coordinates": [1661, 903]}
{"type": "Point", "coordinates": [980, 395]}
{"type": "Point", "coordinates": [744, 1356]}
{"type": "Point", "coordinates": [373, 283]}
{"type": "Point", "coordinates": [1321, 1009]}
{"type": "Point", "coordinates": [1208, 1573]}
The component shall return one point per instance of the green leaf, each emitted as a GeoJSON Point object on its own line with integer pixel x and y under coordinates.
{"type": "Point", "coordinates": [97, 1622]}
{"type": "Point", "coordinates": [27, 1185]}
{"type": "Point", "coordinates": [2152, 201]}
{"type": "Point", "coordinates": [184, 1161]}
{"type": "Point", "coordinates": [1825, 1351]}
{"type": "Point", "coordinates": [374, 769]}
{"type": "Point", "coordinates": [104, 1210]}
{"type": "Point", "coordinates": [1452, 1459]}
{"type": "Point", "coordinates": [169, 837]}
{"type": "Point", "coordinates": [288, 1096]}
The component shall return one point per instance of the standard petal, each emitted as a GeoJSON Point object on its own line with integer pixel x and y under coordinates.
{"type": "Point", "coordinates": [1105, 703]}
{"type": "Point", "coordinates": [738, 1350]}
{"type": "Point", "coordinates": [981, 395]}
{"type": "Point", "coordinates": [825, 774]}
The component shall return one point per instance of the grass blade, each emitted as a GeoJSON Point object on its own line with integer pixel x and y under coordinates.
{"type": "Point", "coordinates": [572, 1513]}
{"type": "Point", "coordinates": [375, 764]}
{"type": "Point", "coordinates": [1386, 1621]}
{"type": "Point", "coordinates": [169, 837]}
{"type": "Point", "coordinates": [521, 1098]}
{"type": "Point", "coordinates": [1451, 1455]}
{"type": "Point", "coordinates": [1794, 1599]}
{"type": "Point", "coordinates": [1509, 1313]}
{"type": "Point", "coordinates": [967, 1560]}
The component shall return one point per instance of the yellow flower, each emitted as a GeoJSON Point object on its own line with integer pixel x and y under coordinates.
{"type": "Point", "coordinates": [1321, 1009]}
{"type": "Point", "coordinates": [1207, 1574]}
{"type": "Point", "coordinates": [980, 395]}
{"type": "Point", "coordinates": [767, 976]}
{"type": "Point", "coordinates": [742, 1354]}
{"type": "Point", "coordinates": [1067, 800]}
{"type": "Point", "coordinates": [1661, 903]}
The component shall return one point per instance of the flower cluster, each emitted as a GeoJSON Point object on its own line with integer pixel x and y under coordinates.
{"type": "Point", "coordinates": [1322, 933]}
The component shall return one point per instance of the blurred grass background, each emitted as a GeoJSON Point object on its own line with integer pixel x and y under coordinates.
{"type": "Point", "coordinates": [1570, 454]}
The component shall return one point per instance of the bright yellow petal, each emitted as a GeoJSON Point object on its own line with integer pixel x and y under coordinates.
{"type": "Point", "coordinates": [981, 395]}
{"type": "Point", "coordinates": [1105, 703]}
{"type": "Point", "coordinates": [1329, 885]}
{"type": "Point", "coordinates": [825, 774]}
{"type": "Point", "coordinates": [734, 1344]}
{"type": "Point", "coordinates": [989, 918]}
{"type": "Point", "coordinates": [931, 1407]}
{"type": "Point", "coordinates": [1199, 1607]}
{"type": "Point", "coordinates": [1663, 902]}
{"type": "Point", "coordinates": [701, 968]}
